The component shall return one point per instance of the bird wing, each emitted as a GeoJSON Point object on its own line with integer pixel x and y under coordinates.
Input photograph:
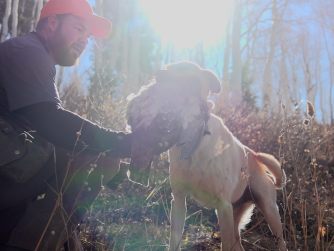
{"type": "Point", "coordinates": [194, 117]}
{"type": "Point", "coordinates": [143, 107]}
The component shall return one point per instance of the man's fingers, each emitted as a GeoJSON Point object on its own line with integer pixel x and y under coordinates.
{"type": "Point", "coordinates": [168, 140]}
{"type": "Point", "coordinates": [146, 142]}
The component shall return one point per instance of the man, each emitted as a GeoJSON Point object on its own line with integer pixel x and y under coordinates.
{"type": "Point", "coordinates": [29, 101]}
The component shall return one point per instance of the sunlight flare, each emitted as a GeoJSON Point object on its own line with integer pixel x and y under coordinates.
{"type": "Point", "coordinates": [185, 23]}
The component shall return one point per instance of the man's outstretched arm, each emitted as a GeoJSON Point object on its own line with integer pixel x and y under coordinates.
{"type": "Point", "coordinates": [60, 127]}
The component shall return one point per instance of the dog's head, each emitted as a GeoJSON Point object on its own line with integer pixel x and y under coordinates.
{"type": "Point", "coordinates": [186, 72]}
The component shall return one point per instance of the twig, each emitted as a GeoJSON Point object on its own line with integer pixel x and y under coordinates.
{"type": "Point", "coordinates": [258, 223]}
{"type": "Point", "coordinates": [329, 244]}
{"type": "Point", "coordinates": [199, 211]}
{"type": "Point", "coordinates": [254, 244]}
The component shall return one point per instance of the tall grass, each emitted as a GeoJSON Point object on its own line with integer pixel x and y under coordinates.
{"type": "Point", "coordinates": [133, 217]}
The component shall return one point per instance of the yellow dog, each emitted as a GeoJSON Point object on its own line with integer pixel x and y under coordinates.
{"type": "Point", "coordinates": [225, 175]}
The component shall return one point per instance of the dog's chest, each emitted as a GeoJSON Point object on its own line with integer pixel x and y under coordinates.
{"type": "Point", "coordinates": [206, 188]}
{"type": "Point", "coordinates": [204, 181]}
{"type": "Point", "coordinates": [208, 177]}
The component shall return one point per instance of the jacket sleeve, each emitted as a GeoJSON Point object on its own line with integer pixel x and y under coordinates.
{"type": "Point", "coordinates": [61, 127]}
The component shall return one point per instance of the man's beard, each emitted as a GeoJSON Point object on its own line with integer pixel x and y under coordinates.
{"type": "Point", "coordinates": [63, 54]}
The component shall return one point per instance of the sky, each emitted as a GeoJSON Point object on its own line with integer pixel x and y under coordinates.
{"type": "Point", "coordinates": [187, 22]}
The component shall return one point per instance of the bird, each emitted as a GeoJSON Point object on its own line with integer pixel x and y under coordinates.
{"type": "Point", "coordinates": [172, 109]}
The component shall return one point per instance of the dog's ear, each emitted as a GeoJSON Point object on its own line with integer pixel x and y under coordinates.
{"type": "Point", "coordinates": [212, 80]}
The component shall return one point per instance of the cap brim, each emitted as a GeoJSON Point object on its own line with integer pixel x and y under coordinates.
{"type": "Point", "coordinates": [101, 26]}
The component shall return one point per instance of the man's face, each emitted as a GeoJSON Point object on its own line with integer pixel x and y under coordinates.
{"type": "Point", "coordinates": [70, 40]}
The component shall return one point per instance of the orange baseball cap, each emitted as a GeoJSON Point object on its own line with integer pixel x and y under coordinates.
{"type": "Point", "coordinates": [80, 8]}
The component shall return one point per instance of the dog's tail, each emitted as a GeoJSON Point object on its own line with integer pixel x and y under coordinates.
{"type": "Point", "coordinates": [274, 167]}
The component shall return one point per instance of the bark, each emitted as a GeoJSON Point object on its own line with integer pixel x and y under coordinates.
{"type": "Point", "coordinates": [5, 18]}
{"type": "Point", "coordinates": [267, 89]}
{"type": "Point", "coordinates": [14, 17]}
{"type": "Point", "coordinates": [236, 80]}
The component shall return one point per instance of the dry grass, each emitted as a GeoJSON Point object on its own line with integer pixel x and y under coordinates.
{"type": "Point", "coordinates": [137, 218]}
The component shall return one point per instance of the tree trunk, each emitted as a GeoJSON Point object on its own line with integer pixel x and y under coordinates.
{"type": "Point", "coordinates": [124, 60]}
{"type": "Point", "coordinates": [39, 7]}
{"type": "Point", "coordinates": [98, 41]}
{"type": "Point", "coordinates": [226, 67]}
{"type": "Point", "coordinates": [331, 76]}
{"type": "Point", "coordinates": [5, 18]}
{"type": "Point", "coordinates": [283, 82]}
{"type": "Point", "coordinates": [60, 77]}
{"type": "Point", "coordinates": [33, 13]}
{"type": "Point", "coordinates": [22, 7]}
{"type": "Point", "coordinates": [223, 97]}
{"type": "Point", "coordinates": [134, 50]}
{"type": "Point", "coordinates": [236, 80]}
{"type": "Point", "coordinates": [118, 34]}
{"type": "Point", "coordinates": [319, 83]}
{"type": "Point", "coordinates": [312, 89]}
{"type": "Point", "coordinates": [14, 17]}
{"type": "Point", "coordinates": [331, 95]}
{"type": "Point", "coordinates": [267, 92]}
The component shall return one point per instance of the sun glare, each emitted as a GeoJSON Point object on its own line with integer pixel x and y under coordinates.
{"type": "Point", "coordinates": [185, 23]}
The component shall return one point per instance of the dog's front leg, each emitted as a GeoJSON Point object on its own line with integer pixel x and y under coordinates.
{"type": "Point", "coordinates": [178, 216]}
{"type": "Point", "coordinates": [224, 212]}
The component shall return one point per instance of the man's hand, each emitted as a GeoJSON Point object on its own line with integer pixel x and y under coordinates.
{"type": "Point", "coordinates": [146, 142]}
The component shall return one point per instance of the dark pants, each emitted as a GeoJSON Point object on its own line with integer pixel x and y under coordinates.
{"type": "Point", "coordinates": [29, 219]}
